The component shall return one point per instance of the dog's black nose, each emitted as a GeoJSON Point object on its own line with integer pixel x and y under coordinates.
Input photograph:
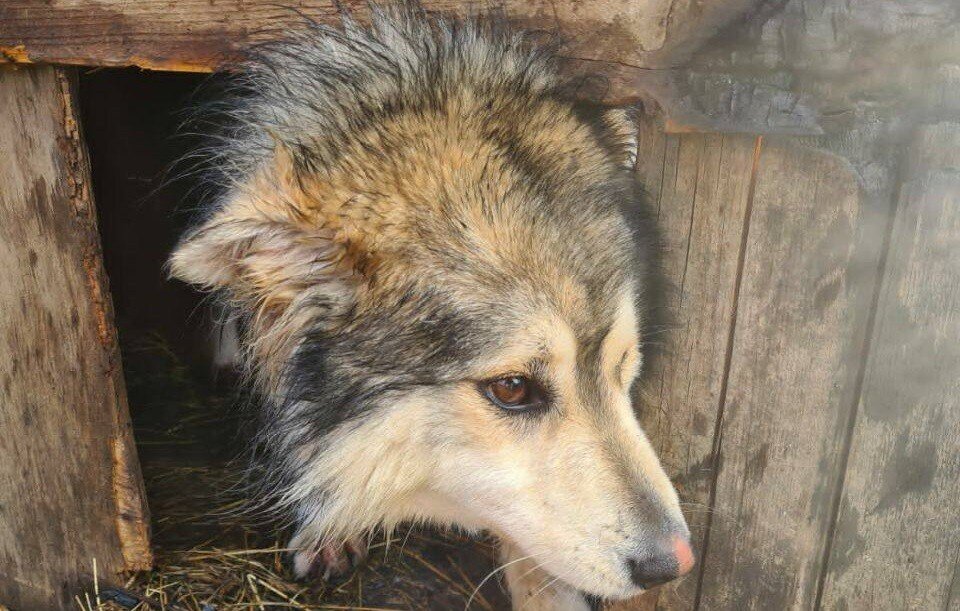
{"type": "Point", "coordinates": [664, 562]}
{"type": "Point", "coordinates": [649, 571]}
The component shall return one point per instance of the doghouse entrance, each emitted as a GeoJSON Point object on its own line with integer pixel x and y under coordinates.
{"type": "Point", "coordinates": [183, 401]}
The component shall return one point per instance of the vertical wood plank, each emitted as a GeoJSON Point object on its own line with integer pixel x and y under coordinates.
{"type": "Point", "coordinates": [70, 487]}
{"type": "Point", "coordinates": [704, 271]}
{"type": "Point", "coordinates": [805, 294]}
{"type": "Point", "coordinates": [898, 528]}
{"type": "Point", "coordinates": [953, 596]}
{"type": "Point", "coordinates": [699, 185]}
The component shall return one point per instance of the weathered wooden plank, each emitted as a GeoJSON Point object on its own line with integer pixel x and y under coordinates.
{"type": "Point", "coordinates": [70, 488]}
{"type": "Point", "coordinates": [704, 244]}
{"type": "Point", "coordinates": [801, 316]}
{"type": "Point", "coordinates": [631, 44]}
{"type": "Point", "coordinates": [898, 529]}
{"type": "Point", "coordinates": [953, 597]}
{"type": "Point", "coordinates": [201, 34]}
{"type": "Point", "coordinates": [699, 186]}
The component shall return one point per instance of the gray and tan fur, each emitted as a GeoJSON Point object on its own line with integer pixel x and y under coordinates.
{"type": "Point", "coordinates": [413, 210]}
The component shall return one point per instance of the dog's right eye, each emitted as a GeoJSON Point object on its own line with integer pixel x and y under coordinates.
{"type": "Point", "coordinates": [514, 393]}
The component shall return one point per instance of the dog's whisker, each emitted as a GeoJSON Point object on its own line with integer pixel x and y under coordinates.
{"type": "Point", "coordinates": [550, 583]}
{"type": "Point", "coordinates": [491, 574]}
{"type": "Point", "coordinates": [537, 566]}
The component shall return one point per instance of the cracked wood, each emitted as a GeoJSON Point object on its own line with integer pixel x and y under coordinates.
{"type": "Point", "coordinates": [70, 486]}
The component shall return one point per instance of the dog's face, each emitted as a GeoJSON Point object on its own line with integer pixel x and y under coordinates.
{"type": "Point", "coordinates": [539, 443]}
{"type": "Point", "coordinates": [472, 366]}
{"type": "Point", "coordinates": [444, 318]}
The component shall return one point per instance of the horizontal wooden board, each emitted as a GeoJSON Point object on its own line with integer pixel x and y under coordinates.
{"type": "Point", "coordinates": [632, 50]}
{"type": "Point", "coordinates": [629, 43]}
{"type": "Point", "coordinates": [201, 34]}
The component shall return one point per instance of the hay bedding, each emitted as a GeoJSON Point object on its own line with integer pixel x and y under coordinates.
{"type": "Point", "coordinates": [210, 557]}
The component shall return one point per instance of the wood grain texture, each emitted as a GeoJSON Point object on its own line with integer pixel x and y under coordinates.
{"type": "Point", "coordinates": [70, 487]}
{"type": "Point", "coordinates": [800, 325]}
{"type": "Point", "coordinates": [637, 47]}
{"type": "Point", "coordinates": [645, 602]}
{"type": "Point", "coordinates": [699, 186]}
{"type": "Point", "coordinates": [808, 292]}
{"type": "Point", "coordinates": [631, 44]}
{"type": "Point", "coordinates": [201, 34]}
{"type": "Point", "coordinates": [897, 536]}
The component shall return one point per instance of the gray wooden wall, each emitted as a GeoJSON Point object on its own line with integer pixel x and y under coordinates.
{"type": "Point", "coordinates": [808, 404]}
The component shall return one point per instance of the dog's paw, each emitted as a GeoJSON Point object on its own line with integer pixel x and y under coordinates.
{"type": "Point", "coordinates": [329, 561]}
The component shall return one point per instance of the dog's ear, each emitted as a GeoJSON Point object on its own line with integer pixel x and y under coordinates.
{"type": "Point", "coordinates": [263, 247]}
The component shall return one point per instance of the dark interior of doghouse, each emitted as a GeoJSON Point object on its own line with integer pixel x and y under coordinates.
{"type": "Point", "coordinates": [184, 405]}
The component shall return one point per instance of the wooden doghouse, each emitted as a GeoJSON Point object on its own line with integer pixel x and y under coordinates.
{"type": "Point", "coordinates": [804, 159]}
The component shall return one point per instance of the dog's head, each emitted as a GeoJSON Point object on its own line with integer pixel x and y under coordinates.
{"type": "Point", "coordinates": [443, 300]}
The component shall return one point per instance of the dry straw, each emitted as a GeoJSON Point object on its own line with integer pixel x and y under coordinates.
{"type": "Point", "coordinates": [210, 556]}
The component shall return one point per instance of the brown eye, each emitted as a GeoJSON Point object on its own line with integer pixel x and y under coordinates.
{"type": "Point", "coordinates": [513, 393]}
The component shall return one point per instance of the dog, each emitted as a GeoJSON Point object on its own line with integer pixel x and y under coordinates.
{"type": "Point", "coordinates": [422, 230]}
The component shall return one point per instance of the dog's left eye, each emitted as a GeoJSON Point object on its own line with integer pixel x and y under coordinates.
{"type": "Point", "coordinates": [514, 393]}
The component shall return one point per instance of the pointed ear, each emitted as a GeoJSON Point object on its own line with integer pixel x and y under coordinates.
{"type": "Point", "coordinates": [261, 248]}
{"type": "Point", "coordinates": [623, 125]}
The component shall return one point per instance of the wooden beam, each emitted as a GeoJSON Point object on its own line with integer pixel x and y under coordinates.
{"type": "Point", "coordinates": [201, 34]}
{"type": "Point", "coordinates": [636, 46]}
{"type": "Point", "coordinates": [70, 486]}
{"type": "Point", "coordinates": [631, 43]}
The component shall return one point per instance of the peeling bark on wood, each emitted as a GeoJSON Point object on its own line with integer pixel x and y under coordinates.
{"type": "Point", "coordinates": [70, 487]}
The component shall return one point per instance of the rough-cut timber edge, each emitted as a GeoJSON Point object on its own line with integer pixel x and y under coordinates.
{"type": "Point", "coordinates": [635, 45]}
{"type": "Point", "coordinates": [71, 492]}
{"type": "Point", "coordinates": [132, 519]}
